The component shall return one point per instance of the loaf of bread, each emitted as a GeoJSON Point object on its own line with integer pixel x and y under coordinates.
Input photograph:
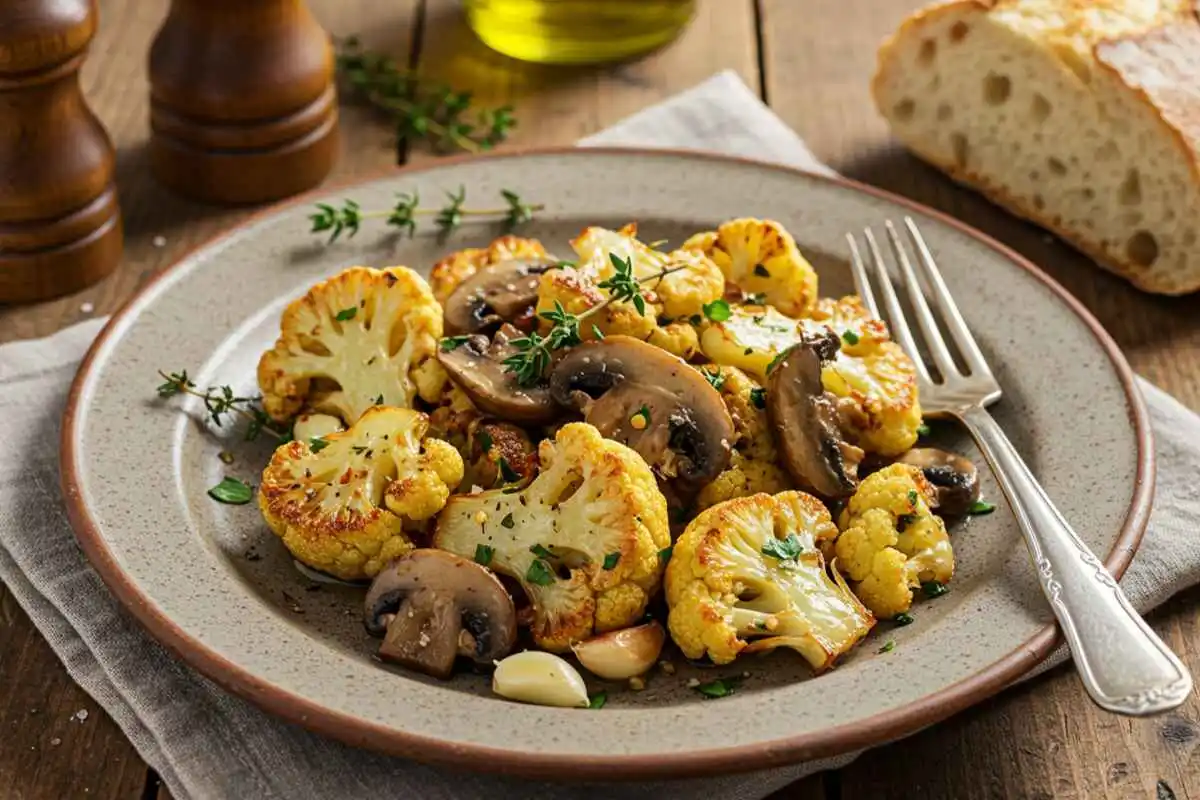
{"type": "Point", "coordinates": [1081, 115]}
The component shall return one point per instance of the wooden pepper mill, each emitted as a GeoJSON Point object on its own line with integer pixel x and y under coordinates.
{"type": "Point", "coordinates": [60, 224]}
{"type": "Point", "coordinates": [243, 107]}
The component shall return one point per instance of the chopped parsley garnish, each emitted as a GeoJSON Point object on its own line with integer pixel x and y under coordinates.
{"type": "Point", "coordinates": [888, 647]}
{"type": "Point", "coordinates": [507, 473]}
{"type": "Point", "coordinates": [902, 619]}
{"type": "Point", "coordinates": [695, 319]}
{"type": "Point", "coordinates": [507, 522]}
{"type": "Point", "coordinates": [453, 343]}
{"type": "Point", "coordinates": [788, 549]}
{"type": "Point", "coordinates": [912, 496]}
{"type": "Point", "coordinates": [379, 400]}
{"type": "Point", "coordinates": [597, 700]}
{"type": "Point", "coordinates": [540, 551]}
{"type": "Point", "coordinates": [716, 379]}
{"type": "Point", "coordinates": [485, 440]}
{"type": "Point", "coordinates": [758, 397]}
{"type": "Point", "coordinates": [981, 507]}
{"type": "Point", "coordinates": [748, 351]}
{"type": "Point", "coordinates": [850, 337]}
{"type": "Point", "coordinates": [760, 625]}
{"type": "Point", "coordinates": [231, 491]}
{"type": "Point", "coordinates": [645, 412]}
{"type": "Point", "coordinates": [923, 429]}
{"type": "Point", "coordinates": [761, 271]}
{"type": "Point", "coordinates": [721, 687]}
{"type": "Point", "coordinates": [775, 361]}
{"type": "Point", "coordinates": [610, 560]}
{"type": "Point", "coordinates": [718, 310]}
{"type": "Point", "coordinates": [664, 555]}
{"type": "Point", "coordinates": [933, 589]}
{"type": "Point", "coordinates": [540, 574]}
{"type": "Point", "coordinates": [484, 553]}
{"type": "Point", "coordinates": [317, 444]}
{"type": "Point", "coordinates": [346, 314]}
{"type": "Point", "coordinates": [358, 449]}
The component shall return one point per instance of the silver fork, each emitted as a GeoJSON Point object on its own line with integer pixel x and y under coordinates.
{"type": "Point", "coordinates": [1124, 665]}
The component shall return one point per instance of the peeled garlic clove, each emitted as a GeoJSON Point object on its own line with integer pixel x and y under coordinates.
{"type": "Point", "coordinates": [314, 426]}
{"type": "Point", "coordinates": [622, 654]}
{"type": "Point", "coordinates": [540, 678]}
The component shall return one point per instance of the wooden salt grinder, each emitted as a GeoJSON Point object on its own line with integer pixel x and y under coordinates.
{"type": "Point", "coordinates": [60, 225]}
{"type": "Point", "coordinates": [242, 101]}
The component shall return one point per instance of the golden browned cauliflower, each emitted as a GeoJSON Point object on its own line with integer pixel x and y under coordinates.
{"type": "Point", "coordinates": [342, 508]}
{"type": "Point", "coordinates": [365, 337]}
{"type": "Point", "coordinates": [748, 576]}
{"type": "Point", "coordinates": [447, 274]}
{"type": "Point", "coordinates": [583, 539]}
{"type": "Point", "coordinates": [750, 338]}
{"type": "Point", "coordinates": [761, 257]}
{"type": "Point", "coordinates": [891, 543]}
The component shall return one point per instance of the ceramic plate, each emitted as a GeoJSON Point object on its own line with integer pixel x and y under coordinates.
{"type": "Point", "coordinates": [214, 585]}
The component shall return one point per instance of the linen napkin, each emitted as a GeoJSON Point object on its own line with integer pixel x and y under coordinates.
{"type": "Point", "coordinates": [205, 743]}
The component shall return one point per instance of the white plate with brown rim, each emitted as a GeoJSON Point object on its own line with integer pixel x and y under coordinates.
{"type": "Point", "coordinates": [215, 586]}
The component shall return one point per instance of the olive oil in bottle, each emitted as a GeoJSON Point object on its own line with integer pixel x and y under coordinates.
{"type": "Point", "coordinates": [577, 31]}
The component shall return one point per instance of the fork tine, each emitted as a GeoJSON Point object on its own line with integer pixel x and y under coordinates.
{"type": "Point", "coordinates": [862, 282]}
{"type": "Point", "coordinates": [951, 317]}
{"type": "Point", "coordinates": [916, 295]}
{"type": "Point", "coordinates": [898, 322]}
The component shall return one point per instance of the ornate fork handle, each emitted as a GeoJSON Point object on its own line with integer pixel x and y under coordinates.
{"type": "Point", "coordinates": [1125, 666]}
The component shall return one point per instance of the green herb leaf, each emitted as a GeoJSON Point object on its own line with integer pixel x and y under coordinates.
{"type": "Point", "coordinates": [758, 397]}
{"type": "Point", "coordinates": [317, 444]}
{"type": "Point", "coordinates": [902, 619]}
{"type": "Point", "coordinates": [912, 496]}
{"type": "Point", "coordinates": [599, 334]}
{"type": "Point", "coordinates": [540, 574]}
{"type": "Point", "coordinates": [788, 549]}
{"type": "Point", "coordinates": [981, 507]}
{"type": "Point", "coordinates": [232, 491]}
{"type": "Point", "coordinates": [507, 522]}
{"type": "Point", "coordinates": [450, 343]}
{"type": "Point", "coordinates": [718, 310]}
{"type": "Point", "coordinates": [645, 413]}
{"type": "Point", "coordinates": [721, 687]}
{"type": "Point", "coordinates": [761, 271]}
{"type": "Point", "coordinates": [695, 319]}
{"type": "Point", "coordinates": [715, 377]}
{"type": "Point", "coordinates": [483, 554]}
{"type": "Point", "coordinates": [888, 647]}
{"type": "Point", "coordinates": [541, 551]}
{"type": "Point", "coordinates": [923, 430]}
{"type": "Point", "coordinates": [610, 560]}
{"type": "Point", "coordinates": [597, 701]}
{"type": "Point", "coordinates": [379, 400]}
{"type": "Point", "coordinates": [484, 439]}
{"type": "Point", "coordinates": [775, 361]}
{"type": "Point", "coordinates": [932, 589]}
{"type": "Point", "coordinates": [850, 337]}
{"type": "Point", "coordinates": [346, 314]}
{"type": "Point", "coordinates": [664, 555]}
{"type": "Point", "coordinates": [507, 473]}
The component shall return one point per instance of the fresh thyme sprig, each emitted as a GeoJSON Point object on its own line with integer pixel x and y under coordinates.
{"type": "Point", "coordinates": [221, 402]}
{"type": "Point", "coordinates": [348, 217]}
{"type": "Point", "coordinates": [432, 112]}
{"type": "Point", "coordinates": [535, 351]}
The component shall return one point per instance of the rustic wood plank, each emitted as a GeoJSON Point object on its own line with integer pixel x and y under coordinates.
{"type": "Point", "coordinates": [1046, 739]}
{"type": "Point", "coordinates": [57, 742]}
{"type": "Point", "coordinates": [558, 105]}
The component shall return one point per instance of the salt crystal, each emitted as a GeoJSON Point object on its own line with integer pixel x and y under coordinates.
{"type": "Point", "coordinates": [159, 241]}
{"type": "Point", "coordinates": [87, 308]}
{"type": "Point", "coordinates": [81, 714]}
{"type": "Point", "coordinates": [55, 741]}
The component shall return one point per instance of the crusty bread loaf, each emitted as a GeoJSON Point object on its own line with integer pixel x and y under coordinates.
{"type": "Point", "coordinates": [1081, 115]}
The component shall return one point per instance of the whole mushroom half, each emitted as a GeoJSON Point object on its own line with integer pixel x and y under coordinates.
{"type": "Point", "coordinates": [503, 292]}
{"type": "Point", "coordinates": [651, 401]}
{"type": "Point", "coordinates": [431, 607]}
{"type": "Point", "coordinates": [805, 420]}
{"type": "Point", "coordinates": [955, 479]}
{"type": "Point", "coordinates": [477, 366]}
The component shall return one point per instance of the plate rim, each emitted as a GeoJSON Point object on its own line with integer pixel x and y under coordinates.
{"type": "Point", "coordinates": [871, 731]}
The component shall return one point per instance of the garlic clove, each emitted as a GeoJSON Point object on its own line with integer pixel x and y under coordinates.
{"type": "Point", "coordinates": [622, 654]}
{"type": "Point", "coordinates": [312, 426]}
{"type": "Point", "coordinates": [540, 678]}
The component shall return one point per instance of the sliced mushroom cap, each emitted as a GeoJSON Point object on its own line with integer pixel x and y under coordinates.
{"type": "Point", "coordinates": [955, 479]}
{"type": "Point", "coordinates": [432, 606]}
{"type": "Point", "coordinates": [805, 419]}
{"type": "Point", "coordinates": [620, 381]}
{"type": "Point", "coordinates": [477, 366]}
{"type": "Point", "coordinates": [502, 292]}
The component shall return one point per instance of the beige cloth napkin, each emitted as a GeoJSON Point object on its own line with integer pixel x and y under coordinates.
{"type": "Point", "coordinates": [208, 744]}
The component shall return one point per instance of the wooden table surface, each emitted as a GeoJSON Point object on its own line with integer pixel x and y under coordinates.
{"type": "Point", "coordinates": [810, 60]}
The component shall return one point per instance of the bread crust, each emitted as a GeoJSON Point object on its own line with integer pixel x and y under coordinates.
{"type": "Point", "coordinates": [1138, 63]}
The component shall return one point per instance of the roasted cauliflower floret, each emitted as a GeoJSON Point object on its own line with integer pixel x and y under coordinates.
{"type": "Point", "coordinates": [750, 338]}
{"type": "Point", "coordinates": [891, 542]}
{"type": "Point", "coordinates": [582, 539]}
{"type": "Point", "coordinates": [343, 509]}
{"type": "Point", "coordinates": [744, 476]}
{"type": "Point", "coordinates": [877, 390]}
{"type": "Point", "coordinates": [761, 257]}
{"type": "Point", "coordinates": [747, 576]}
{"type": "Point", "coordinates": [365, 337]}
{"type": "Point", "coordinates": [447, 274]}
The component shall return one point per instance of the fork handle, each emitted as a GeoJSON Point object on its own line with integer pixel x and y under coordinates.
{"type": "Point", "coordinates": [1124, 665]}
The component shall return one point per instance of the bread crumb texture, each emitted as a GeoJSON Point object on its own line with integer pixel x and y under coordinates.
{"type": "Point", "coordinates": [1081, 115]}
